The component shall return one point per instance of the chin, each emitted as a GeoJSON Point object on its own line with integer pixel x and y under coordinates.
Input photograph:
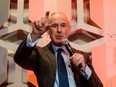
{"type": "Point", "coordinates": [58, 43]}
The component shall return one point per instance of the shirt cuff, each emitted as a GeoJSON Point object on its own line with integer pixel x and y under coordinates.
{"type": "Point", "coordinates": [87, 72]}
{"type": "Point", "coordinates": [29, 42]}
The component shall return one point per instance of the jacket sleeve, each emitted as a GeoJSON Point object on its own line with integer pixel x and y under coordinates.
{"type": "Point", "coordinates": [94, 80]}
{"type": "Point", "coordinates": [26, 56]}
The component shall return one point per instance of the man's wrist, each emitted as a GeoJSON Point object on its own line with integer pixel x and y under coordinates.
{"type": "Point", "coordinates": [34, 37]}
{"type": "Point", "coordinates": [29, 42]}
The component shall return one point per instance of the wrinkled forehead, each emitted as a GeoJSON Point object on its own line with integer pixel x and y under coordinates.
{"type": "Point", "coordinates": [58, 17]}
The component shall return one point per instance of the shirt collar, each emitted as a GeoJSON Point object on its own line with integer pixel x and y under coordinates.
{"type": "Point", "coordinates": [55, 48]}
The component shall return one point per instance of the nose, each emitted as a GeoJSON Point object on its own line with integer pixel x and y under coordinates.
{"type": "Point", "coordinates": [59, 29]}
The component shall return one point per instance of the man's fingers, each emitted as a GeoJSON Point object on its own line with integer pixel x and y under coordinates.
{"type": "Point", "coordinates": [38, 24]}
{"type": "Point", "coordinates": [41, 24]}
{"type": "Point", "coordinates": [43, 21]}
{"type": "Point", "coordinates": [47, 14]}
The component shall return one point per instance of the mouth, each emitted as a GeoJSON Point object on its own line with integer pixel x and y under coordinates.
{"type": "Point", "coordinates": [59, 36]}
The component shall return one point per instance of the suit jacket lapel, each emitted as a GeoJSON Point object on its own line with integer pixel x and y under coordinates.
{"type": "Point", "coordinates": [51, 55]}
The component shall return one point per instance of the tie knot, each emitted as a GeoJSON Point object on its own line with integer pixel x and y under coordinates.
{"type": "Point", "coordinates": [60, 50]}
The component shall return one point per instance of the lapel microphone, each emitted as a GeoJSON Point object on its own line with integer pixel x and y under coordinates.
{"type": "Point", "coordinates": [65, 42]}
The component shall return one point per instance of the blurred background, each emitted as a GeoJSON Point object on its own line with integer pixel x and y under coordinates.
{"type": "Point", "coordinates": [93, 31]}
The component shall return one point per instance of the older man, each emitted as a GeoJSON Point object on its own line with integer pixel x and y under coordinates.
{"type": "Point", "coordinates": [52, 64]}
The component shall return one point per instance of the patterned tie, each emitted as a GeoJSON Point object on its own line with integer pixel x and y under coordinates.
{"type": "Point", "coordinates": [62, 72]}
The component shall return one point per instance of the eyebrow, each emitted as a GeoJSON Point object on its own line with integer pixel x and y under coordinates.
{"type": "Point", "coordinates": [57, 23]}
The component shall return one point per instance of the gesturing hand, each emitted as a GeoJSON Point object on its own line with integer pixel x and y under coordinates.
{"type": "Point", "coordinates": [39, 27]}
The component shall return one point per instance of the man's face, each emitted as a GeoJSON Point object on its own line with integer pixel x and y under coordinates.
{"type": "Point", "coordinates": [59, 28]}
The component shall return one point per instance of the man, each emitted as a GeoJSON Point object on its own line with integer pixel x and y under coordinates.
{"type": "Point", "coordinates": [45, 61]}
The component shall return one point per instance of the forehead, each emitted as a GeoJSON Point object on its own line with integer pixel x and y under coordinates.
{"type": "Point", "coordinates": [58, 18]}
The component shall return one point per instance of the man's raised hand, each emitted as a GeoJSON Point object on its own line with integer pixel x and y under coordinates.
{"type": "Point", "coordinates": [39, 27]}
